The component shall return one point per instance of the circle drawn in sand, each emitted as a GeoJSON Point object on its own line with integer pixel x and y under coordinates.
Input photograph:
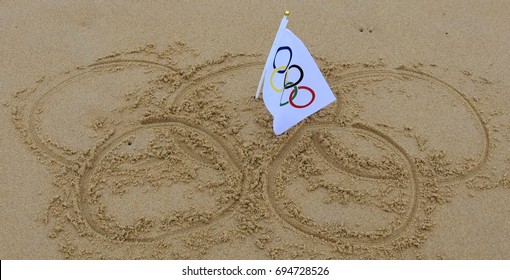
{"type": "Point", "coordinates": [170, 157]}
{"type": "Point", "coordinates": [386, 98]}
{"type": "Point", "coordinates": [158, 180]}
{"type": "Point", "coordinates": [344, 184]}
{"type": "Point", "coordinates": [185, 92]}
{"type": "Point", "coordinates": [85, 108]}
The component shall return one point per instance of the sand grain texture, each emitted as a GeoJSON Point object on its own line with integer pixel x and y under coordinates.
{"type": "Point", "coordinates": [129, 131]}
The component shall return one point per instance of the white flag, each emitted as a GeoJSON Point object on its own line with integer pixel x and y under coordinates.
{"type": "Point", "coordinates": [294, 87]}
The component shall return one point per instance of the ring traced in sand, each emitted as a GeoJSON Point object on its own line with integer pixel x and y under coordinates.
{"type": "Point", "coordinates": [354, 198]}
{"type": "Point", "coordinates": [464, 136]}
{"type": "Point", "coordinates": [162, 178]}
{"type": "Point", "coordinates": [465, 132]}
{"type": "Point", "coordinates": [162, 152]}
{"type": "Point", "coordinates": [186, 90]}
{"type": "Point", "coordinates": [62, 120]}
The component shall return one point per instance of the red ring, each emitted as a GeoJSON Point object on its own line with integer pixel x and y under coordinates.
{"type": "Point", "coordinates": [307, 104]}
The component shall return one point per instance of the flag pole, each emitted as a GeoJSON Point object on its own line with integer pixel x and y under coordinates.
{"type": "Point", "coordinates": [260, 83]}
{"type": "Point", "coordinates": [283, 24]}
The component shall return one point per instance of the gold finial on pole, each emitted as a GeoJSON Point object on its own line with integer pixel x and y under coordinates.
{"type": "Point", "coordinates": [287, 13]}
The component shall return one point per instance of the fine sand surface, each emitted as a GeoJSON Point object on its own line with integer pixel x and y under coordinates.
{"type": "Point", "coordinates": [129, 130]}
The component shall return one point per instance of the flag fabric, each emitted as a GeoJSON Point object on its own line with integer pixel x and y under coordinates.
{"type": "Point", "coordinates": [294, 88]}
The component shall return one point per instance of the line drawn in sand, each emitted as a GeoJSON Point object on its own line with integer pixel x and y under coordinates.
{"type": "Point", "coordinates": [334, 230]}
{"type": "Point", "coordinates": [140, 153]}
{"type": "Point", "coordinates": [408, 75]}
{"type": "Point", "coordinates": [399, 229]}
{"type": "Point", "coordinates": [74, 157]}
{"type": "Point", "coordinates": [178, 165]}
{"type": "Point", "coordinates": [396, 174]}
{"type": "Point", "coordinates": [63, 152]}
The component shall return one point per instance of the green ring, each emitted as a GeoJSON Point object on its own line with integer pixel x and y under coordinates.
{"type": "Point", "coordinates": [293, 96]}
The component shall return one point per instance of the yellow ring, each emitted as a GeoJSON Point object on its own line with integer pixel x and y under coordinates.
{"type": "Point", "coordinates": [272, 76]}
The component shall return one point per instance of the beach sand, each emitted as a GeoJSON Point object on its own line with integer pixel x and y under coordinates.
{"type": "Point", "coordinates": [129, 131]}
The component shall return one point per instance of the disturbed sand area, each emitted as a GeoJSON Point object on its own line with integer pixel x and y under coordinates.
{"type": "Point", "coordinates": [158, 150]}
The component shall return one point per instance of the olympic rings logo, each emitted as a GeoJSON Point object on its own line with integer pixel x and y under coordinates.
{"type": "Point", "coordinates": [285, 69]}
